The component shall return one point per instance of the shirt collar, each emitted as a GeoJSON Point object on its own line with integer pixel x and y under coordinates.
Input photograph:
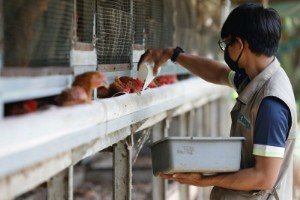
{"type": "Point", "coordinates": [255, 84]}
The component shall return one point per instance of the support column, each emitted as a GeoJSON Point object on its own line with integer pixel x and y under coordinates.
{"type": "Point", "coordinates": [122, 169]}
{"type": "Point", "coordinates": [60, 186]}
{"type": "Point", "coordinates": [183, 127]}
{"type": "Point", "coordinates": [159, 131]}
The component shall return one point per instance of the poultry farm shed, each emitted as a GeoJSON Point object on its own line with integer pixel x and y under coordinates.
{"type": "Point", "coordinates": [45, 44]}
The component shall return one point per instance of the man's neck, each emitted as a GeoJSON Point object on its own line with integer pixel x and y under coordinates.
{"type": "Point", "coordinates": [257, 65]}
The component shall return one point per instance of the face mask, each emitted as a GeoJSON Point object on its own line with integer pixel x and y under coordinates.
{"type": "Point", "coordinates": [233, 65]}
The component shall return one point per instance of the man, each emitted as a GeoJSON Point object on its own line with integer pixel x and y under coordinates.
{"type": "Point", "coordinates": [264, 113]}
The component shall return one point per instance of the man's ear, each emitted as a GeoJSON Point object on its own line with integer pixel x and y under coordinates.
{"type": "Point", "coordinates": [241, 42]}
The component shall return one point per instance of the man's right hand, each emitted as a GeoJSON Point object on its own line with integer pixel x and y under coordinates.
{"type": "Point", "coordinates": [157, 56]}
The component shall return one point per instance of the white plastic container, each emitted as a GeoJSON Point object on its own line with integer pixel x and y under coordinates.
{"type": "Point", "coordinates": [196, 154]}
{"type": "Point", "coordinates": [145, 74]}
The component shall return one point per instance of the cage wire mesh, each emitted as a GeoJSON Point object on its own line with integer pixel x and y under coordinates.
{"type": "Point", "coordinates": [185, 28]}
{"type": "Point", "coordinates": [37, 32]}
{"type": "Point", "coordinates": [154, 23]}
{"type": "Point", "coordinates": [114, 30]}
{"type": "Point", "coordinates": [139, 18]}
{"type": "Point", "coordinates": [85, 10]}
{"type": "Point", "coordinates": [168, 23]}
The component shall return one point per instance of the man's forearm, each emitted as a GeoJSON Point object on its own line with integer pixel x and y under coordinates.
{"type": "Point", "coordinates": [247, 179]}
{"type": "Point", "coordinates": [260, 177]}
{"type": "Point", "coordinates": [208, 69]}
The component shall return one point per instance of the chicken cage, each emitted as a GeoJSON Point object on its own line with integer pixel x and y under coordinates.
{"type": "Point", "coordinates": [85, 12]}
{"type": "Point", "coordinates": [114, 31]}
{"type": "Point", "coordinates": [37, 33]}
{"type": "Point", "coordinates": [62, 38]}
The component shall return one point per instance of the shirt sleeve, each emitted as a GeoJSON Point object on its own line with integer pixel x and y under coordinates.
{"type": "Point", "coordinates": [271, 129]}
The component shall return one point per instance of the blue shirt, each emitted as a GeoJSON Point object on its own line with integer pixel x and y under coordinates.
{"type": "Point", "coordinates": [273, 122]}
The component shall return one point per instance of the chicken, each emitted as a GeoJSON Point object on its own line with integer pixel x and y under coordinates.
{"type": "Point", "coordinates": [165, 80]}
{"type": "Point", "coordinates": [125, 84]}
{"type": "Point", "coordinates": [88, 81]}
{"type": "Point", "coordinates": [72, 96]}
{"type": "Point", "coordinates": [19, 108]}
{"type": "Point", "coordinates": [103, 91]}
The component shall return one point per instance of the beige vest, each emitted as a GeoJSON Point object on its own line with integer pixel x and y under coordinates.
{"type": "Point", "coordinates": [273, 81]}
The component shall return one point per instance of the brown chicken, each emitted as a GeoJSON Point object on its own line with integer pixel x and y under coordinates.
{"type": "Point", "coordinates": [124, 84]}
{"type": "Point", "coordinates": [72, 96]}
{"type": "Point", "coordinates": [88, 81]}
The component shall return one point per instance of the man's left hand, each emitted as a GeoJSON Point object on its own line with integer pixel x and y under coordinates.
{"type": "Point", "coordinates": [184, 178]}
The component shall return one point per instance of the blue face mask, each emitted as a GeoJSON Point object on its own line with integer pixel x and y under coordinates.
{"type": "Point", "coordinates": [233, 65]}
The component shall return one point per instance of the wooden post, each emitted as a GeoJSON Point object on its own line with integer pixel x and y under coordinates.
{"type": "Point", "coordinates": [122, 169]}
{"type": "Point", "coordinates": [206, 120]}
{"type": "Point", "coordinates": [159, 131]}
{"type": "Point", "coordinates": [183, 127]}
{"type": "Point", "coordinates": [213, 119]}
{"type": "Point", "coordinates": [60, 186]}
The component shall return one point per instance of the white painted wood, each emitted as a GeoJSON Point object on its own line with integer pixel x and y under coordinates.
{"type": "Point", "coordinates": [83, 58]}
{"type": "Point", "coordinates": [20, 88]}
{"type": "Point", "coordinates": [59, 185]}
{"type": "Point", "coordinates": [122, 170]}
{"type": "Point", "coordinates": [159, 185]}
{"type": "Point", "coordinates": [24, 180]}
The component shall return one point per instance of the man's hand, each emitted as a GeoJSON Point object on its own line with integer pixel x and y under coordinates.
{"type": "Point", "coordinates": [184, 178]}
{"type": "Point", "coordinates": [156, 56]}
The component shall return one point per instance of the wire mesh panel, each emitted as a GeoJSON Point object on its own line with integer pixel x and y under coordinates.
{"type": "Point", "coordinates": [85, 18]}
{"type": "Point", "coordinates": [114, 29]}
{"type": "Point", "coordinates": [184, 26]}
{"type": "Point", "coordinates": [168, 23]}
{"type": "Point", "coordinates": [154, 23]}
{"type": "Point", "coordinates": [37, 32]}
{"type": "Point", "coordinates": [139, 17]}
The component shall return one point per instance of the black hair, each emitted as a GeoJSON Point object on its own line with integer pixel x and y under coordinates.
{"type": "Point", "coordinates": [260, 26]}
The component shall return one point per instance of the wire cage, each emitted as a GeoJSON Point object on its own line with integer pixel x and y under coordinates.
{"type": "Point", "coordinates": [139, 17]}
{"type": "Point", "coordinates": [168, 23]}
{"type": "Point", "coordinates": [85, 10]}
{"type": "Point", "coordinates": [37, 33]}
{"type": "Point", "coordinates": [114, 31]}
{"type": "Point", "coordinates": [160, 27]}
{"type": "Point", "coordinates": [154, 23]}
{"type": "Point", "coordinates": [185, 29]}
